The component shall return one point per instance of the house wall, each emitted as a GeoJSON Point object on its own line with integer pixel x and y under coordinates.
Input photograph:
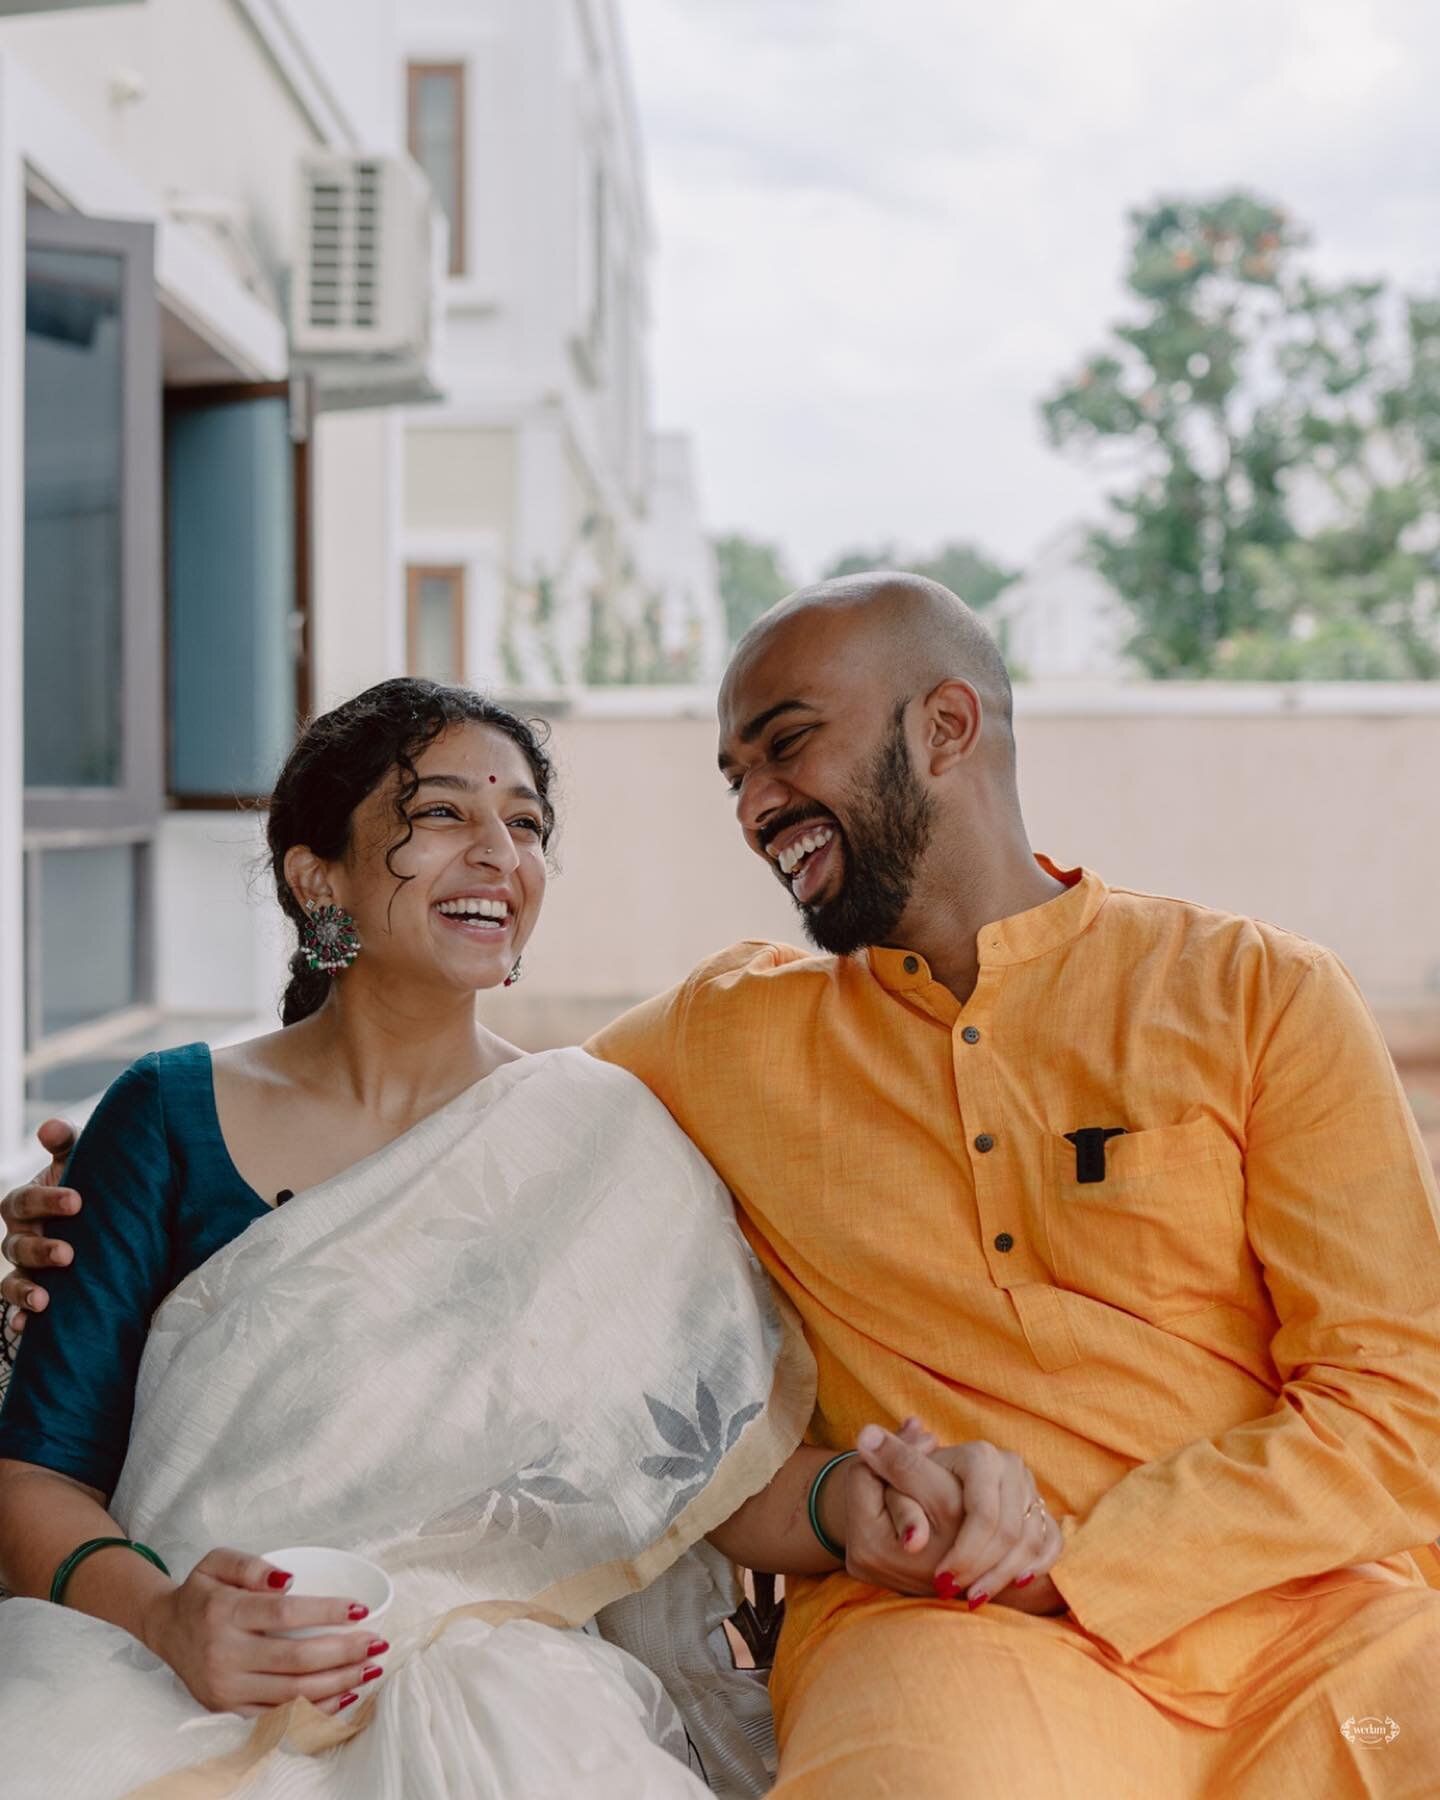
{"type": "Point", "coordinates": [546, 421]}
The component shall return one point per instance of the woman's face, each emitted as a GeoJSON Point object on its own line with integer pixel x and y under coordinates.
{"type": "Point", "coordinates": [476, 860]}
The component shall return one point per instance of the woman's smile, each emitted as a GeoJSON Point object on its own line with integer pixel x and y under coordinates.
{"type": "Point", "coordinates": [477, 915]}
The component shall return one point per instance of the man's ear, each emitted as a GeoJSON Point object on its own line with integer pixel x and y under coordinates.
{"type": "Point", "coordinates": [953, 721]}
{"type": "Point", "coordinates": [307, 875]}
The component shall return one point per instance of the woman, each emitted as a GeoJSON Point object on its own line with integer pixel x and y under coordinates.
{"type": "Point", "coordinates": [571, 1375]}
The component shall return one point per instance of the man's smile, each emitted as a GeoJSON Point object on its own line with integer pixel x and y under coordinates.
{"type": "Point", "coordinates": [805, 856]}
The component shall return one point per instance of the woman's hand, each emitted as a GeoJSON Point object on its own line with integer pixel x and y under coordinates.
{"type": "Point", "coordinates": [895, 1509]}
{"type": "Point", "coordinates": [26, 1244]}
{"type": "Point", "coordinates": [214, 1629]}
{"type": "Point", "coordinates": [988, 1537]}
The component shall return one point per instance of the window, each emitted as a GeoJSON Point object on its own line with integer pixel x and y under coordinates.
{"type": "Point", "coordinates": [436, 623]}
{"type": "Point", "coordinates": [238, 479]}
{"type": "Point", "coordinates": [437, 142]}
{"type": "Point", "coordinates": [92, 727]}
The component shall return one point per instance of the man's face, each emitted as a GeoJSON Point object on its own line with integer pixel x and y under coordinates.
{"type": "Point", "coordinates": [816, 755]}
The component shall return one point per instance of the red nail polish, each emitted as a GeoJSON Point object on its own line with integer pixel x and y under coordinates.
{"type": "Point", "coordinates": [348, 1700]}
{"type": "Point", "coordinates": [277, 1578]}
{"type": "Point", "coordinates": [978, 1602]}
{"type": "Point", "coordinates": [372, 1674]}
{"type": "Point", "coordinates": [357, 1611]}
{"type": "Point", "coordinates": [945, 1585]}
{"type": "Point", "coordinates": [1024, 1581]}
{"type": "Point", "coordinates": [378, 1648]}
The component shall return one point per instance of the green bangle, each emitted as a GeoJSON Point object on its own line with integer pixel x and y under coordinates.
{"type": "Point", "coordinates": [73, 1561]}
{"type": "Point", "coordinates": [814, 1506]}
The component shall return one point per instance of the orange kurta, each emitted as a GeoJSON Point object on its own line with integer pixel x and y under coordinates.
{"type": "Point", "coordinates": [1222, 1361]}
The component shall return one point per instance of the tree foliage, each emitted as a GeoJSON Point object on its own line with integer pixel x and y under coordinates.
{"type": "Point", "coordinates": [963, 568]}
{"type": "Point", "coordinates": [1281, 513]}
{"type": "Point", "coordinates": [753, 577]}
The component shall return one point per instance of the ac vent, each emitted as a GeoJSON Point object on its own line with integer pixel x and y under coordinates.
{"type": "Point", "coordinates": [368, 273]}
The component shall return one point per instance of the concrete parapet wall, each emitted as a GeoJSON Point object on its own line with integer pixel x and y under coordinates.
{"type": "Point", "coordinates": [1318, 809]}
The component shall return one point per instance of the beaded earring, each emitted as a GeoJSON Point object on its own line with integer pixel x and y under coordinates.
{"type": "Point", "coordinates": [515, 974]}
{"type": "Point", "coordinates": [329, 941]}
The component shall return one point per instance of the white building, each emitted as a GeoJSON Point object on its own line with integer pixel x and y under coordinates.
{"type": "Point", "coordinates": [547, 536]}
{"type": "Point", "coordinates": [1062, 621]}
{"type": "Point", "coordinates": [190, 550]}
{"type": "Point", "coordinates": [221, 503]}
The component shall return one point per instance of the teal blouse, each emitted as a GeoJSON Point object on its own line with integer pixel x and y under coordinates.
{"type": "Point", "coordinates": [161, 1196]}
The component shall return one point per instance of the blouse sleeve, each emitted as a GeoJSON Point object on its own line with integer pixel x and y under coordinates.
{"type": "Point", "coordinates": [72, 1391]}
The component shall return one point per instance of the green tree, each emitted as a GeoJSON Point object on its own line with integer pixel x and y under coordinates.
{"type": "Point", "coordinates": [753, 577]}
{"type": "Point", "coordinates": [1283, 517]}
{"type": "Point", "coordinates": [963, 568]}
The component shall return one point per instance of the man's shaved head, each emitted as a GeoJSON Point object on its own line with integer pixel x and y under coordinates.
{"type": "Point", "coordinates": [865, 733]}
{"type": "Point", "coordinates": [913, 632]}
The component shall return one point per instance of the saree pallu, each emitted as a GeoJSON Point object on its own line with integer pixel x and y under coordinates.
{"type": "Point", "coordinates": [521, 1358]}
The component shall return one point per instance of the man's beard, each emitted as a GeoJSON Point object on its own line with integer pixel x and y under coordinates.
{"type": "Point", "coordinates": [889, 824]}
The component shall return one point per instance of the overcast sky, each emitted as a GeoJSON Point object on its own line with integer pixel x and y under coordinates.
{"type": "Point", "coordinates": [886, 226]}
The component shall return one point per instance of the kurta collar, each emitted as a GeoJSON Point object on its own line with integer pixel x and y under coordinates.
{"type": "Point", "coordinates": [1047, 927]}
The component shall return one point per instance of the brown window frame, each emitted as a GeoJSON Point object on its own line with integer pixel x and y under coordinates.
{"type": "Point", "coordinates": [415, 72]}
{"type": "Point", "coordinates": [415, 573]}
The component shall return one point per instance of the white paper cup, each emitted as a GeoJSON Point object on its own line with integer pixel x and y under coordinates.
{"type": "Point", "coordinates": [333, 1575]}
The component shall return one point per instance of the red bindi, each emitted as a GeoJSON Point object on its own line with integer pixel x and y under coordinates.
{"type": "Point", "coordinates": [494, 778]}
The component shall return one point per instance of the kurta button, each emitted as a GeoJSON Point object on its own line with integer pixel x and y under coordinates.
{"type": "Point", "coordinates": [1004, 1241]}
{"type": "Point", "coordinates": [911, 965]}
{"type": "Point", "coordinates": [984, 1142]}
{"type": "Point", "coordinates": [970, 1035]}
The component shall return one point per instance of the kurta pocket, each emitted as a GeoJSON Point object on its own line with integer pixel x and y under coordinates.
{"type": "Point", "coordinates": [1164, 1232]}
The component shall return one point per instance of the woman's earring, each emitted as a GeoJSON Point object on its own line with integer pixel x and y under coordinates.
{"type": "Point", "coordinates": [515, 974]}
{"type": "Point", "coordinates": [329, 941]}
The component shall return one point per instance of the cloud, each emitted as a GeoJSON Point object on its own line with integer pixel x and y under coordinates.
{"type": "Point", "coordinates": [886, 231]}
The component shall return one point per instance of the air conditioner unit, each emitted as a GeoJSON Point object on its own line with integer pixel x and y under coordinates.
{"type": "Point", "coordinates": [367, 279]}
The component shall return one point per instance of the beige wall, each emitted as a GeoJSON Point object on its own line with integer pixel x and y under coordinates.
{"type": "Point", "coordinates": [460, 478]}
{"type": "Point", "coordinates": [1326, 822]}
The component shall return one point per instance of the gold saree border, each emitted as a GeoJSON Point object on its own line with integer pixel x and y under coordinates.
{"type": "Point", "coordinates": [763, 1447]}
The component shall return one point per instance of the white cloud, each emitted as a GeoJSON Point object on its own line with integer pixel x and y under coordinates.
{"type": "Point", "coordinates": [887, 229]}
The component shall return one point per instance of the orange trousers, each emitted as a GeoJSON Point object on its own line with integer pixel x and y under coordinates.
{"type": "Point", "coordinates": [896, 1699]}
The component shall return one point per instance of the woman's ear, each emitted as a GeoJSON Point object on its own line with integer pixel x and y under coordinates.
{"type": "Point", "coordinates": [308, 876]}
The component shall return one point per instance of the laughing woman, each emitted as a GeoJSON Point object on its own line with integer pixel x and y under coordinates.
{"type": "Point", "coordinates": [382, 1282]}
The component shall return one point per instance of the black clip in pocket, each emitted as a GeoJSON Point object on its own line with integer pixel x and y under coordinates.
{"type": "Point", "coordinates": [1090, 1150]}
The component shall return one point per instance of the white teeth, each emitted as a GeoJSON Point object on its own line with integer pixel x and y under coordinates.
{"type": "Point", "coordinates": [794, 854]}
{"type": "Point", "coordinates": [493, 910]}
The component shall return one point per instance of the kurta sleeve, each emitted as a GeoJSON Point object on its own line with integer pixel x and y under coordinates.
{"type": "Point", "coordinates": [644, 1041]}
{"type": "Point", "coordinates": [1341, 1210]}
{"type": "Point", "coordinates": [653, 1040]}
{"type": "Point", "coordinates": [72, 1392]}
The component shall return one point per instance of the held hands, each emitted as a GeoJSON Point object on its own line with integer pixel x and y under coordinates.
{"type": "Point", "coordinates": [214, 1629]}
{"type": "Point", "coordinates": [965, 1522]}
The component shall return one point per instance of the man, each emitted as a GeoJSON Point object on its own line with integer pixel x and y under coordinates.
{"type": "Point", "coordinates": [1122, 1184]}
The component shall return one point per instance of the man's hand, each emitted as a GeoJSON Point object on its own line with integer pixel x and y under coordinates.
{"type": "Point", "coordinates": [985, 1535]}
{"type": "Point", "coordinates": [24, 1209]}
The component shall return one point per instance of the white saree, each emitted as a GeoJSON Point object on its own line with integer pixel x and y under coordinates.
{"type": "Point", "coordinates": [521, 1358]}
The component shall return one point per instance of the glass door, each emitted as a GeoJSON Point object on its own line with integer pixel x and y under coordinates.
{"type": "Point", "coordinates": [92, 630]}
